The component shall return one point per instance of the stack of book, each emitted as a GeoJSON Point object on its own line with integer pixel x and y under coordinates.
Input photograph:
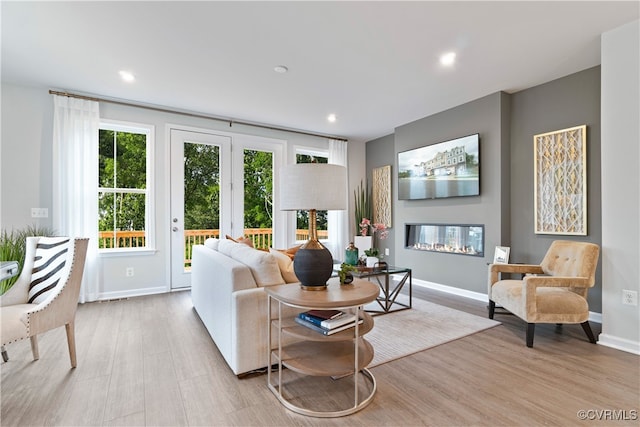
{"type": "Point", "coordinates": [327, 322]}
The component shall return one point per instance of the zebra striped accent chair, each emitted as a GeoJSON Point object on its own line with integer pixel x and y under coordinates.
{"type": "Point", "coordinates": [46, 294]}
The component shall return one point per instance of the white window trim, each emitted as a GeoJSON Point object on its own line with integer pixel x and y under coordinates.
{"type": "Point", "coordinates": [150, 210]}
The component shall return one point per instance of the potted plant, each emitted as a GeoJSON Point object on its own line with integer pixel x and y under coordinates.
{"type": "Point", "coordinates": [362, 209]}
{"type": "Point", "coordinates": [13, 248]}
{"type": "Point", "coordinates": [373, 253]}
{"type": "Point", "coordinates": [345, 273]}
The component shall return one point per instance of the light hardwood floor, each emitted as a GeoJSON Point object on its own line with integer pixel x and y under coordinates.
{"type": "Point", "coordinates": [149, 361]}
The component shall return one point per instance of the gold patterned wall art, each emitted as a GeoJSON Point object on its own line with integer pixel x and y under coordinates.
{"type": "Point", "coordinates": [382, 195]}
{"type": "Point", "coordinates": [560, 198]}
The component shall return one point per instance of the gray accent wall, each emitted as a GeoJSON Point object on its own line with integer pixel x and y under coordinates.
{"type": "Point", "coordinates": [484, 116]}
{"type": "Point", "coordinates": [506, 124]}
{"type": "Point", "coordinates": [567, 102]}
{"type": "Point", "coordinates": [381, 152]}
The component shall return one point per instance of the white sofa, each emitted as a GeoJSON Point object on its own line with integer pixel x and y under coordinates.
{"type": "Point", "coordinates": [227, 291]}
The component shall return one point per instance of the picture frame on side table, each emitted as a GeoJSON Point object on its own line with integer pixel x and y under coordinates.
{"type": "Point", "coordinates": [501, 255]}
{"type": "Point", "coordinates": [560, 199]}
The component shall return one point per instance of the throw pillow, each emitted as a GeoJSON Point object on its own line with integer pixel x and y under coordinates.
{"type": "Point", "coordinates": [286, 265]}
{"type": "Point", "coordinates": [291, 252]}
{"type": "Point", "coordinates": [241, 239]}
{"type": "Point", "coordinates": [48, 267]}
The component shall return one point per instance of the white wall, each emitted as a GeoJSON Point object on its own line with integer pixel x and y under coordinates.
{"type": "Point", "coordinates": [26, 175]}
{"type": "Point", "coordinates": [620, 114]}
{"type": "Point", "coordinates": [25, 160]}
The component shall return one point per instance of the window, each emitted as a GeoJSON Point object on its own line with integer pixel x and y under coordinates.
{"type": "Point", "coordinates": [124, 199]}
{"type": "Point", "coordinates": [302, 217]}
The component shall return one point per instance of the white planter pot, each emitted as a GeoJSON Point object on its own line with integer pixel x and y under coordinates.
{"type": "Point", "coordinates": [372, 261]}
{"type": "Point", "coordinates": [362, 243]}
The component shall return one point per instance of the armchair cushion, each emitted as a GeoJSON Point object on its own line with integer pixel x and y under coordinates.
{"type": "Point", "coordinates": [14, 322]}
{"type": "Point", "coordinates": [547, 304]}
{"type": "Point", "coordinates": [48, 267]}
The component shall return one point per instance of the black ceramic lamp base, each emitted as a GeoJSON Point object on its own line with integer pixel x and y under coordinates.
{"type": "Point", "coordinates": [313, 266]}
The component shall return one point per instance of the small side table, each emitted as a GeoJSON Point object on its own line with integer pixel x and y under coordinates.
{"type": "Point", "coordinates": [340, 355]}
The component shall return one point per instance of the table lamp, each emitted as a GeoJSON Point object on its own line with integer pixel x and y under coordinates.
{"type": "Point", "coordinates": [309, 187]}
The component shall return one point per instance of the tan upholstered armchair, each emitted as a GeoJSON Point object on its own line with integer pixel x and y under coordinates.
{"type": "Point", "coordinates": [553, 292]}
{"type": "Point", "coordinates": [46, 293]}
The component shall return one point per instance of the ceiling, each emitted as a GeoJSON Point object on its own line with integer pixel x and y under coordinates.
{"type": "Point", "coordinates": [373, 64]}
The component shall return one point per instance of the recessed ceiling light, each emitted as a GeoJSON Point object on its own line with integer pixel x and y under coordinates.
{"type": "Point", "coordinates": [331, 117]}
{"type": "Point", "coordinates": [280, 69]}
{"type": "Point", "coordinates": [127, 76]}
{"type": "Point", "coordinates": [448, 58]}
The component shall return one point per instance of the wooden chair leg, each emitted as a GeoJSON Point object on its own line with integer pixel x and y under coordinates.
{"type": "Point", "coordinates": [492, 309]}
{"type": "Point", "coordinates": [587, 330]}
{"type": "Point", "coordinates": [71, 340]}
{"type": "Point", "coordinates": [531, 327]}
{"type": "Point", "coordinates": [34, 347]}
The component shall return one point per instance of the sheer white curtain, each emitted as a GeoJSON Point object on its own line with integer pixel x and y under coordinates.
{"type": "Point", "coordinates": [75, 179]}
{"type": "Point", "coordinates": [338, 220]}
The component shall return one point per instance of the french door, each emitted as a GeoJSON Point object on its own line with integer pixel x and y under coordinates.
{"type": "Point", "coordinates": [212, 186]}
{"type": "Point", "coordinates": [200, 196]}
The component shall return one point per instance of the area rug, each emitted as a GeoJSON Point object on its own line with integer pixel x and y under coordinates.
{"type": "Point", "coordinates": [426, 325]}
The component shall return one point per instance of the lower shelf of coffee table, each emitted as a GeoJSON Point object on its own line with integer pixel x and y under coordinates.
{"type": "Point", "coordinates": [330, 358]}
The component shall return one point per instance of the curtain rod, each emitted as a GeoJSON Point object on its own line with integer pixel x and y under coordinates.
{"type": "Point", "coordinates": [190, 114]}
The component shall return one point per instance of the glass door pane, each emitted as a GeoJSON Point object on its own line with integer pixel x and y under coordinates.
{"type": "Point", "coordinates": [200, 196]}
{"type": "Point", "coordinates": [258, 197]}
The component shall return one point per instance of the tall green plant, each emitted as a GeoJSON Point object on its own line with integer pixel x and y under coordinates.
{"type": "Point", "coordinates": [363, 207]}
{"type": "Point", "coordinates": [13, 248]}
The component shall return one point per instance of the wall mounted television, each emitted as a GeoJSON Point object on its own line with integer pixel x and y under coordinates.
{"type": "Point", "coordinates": [445, 169]}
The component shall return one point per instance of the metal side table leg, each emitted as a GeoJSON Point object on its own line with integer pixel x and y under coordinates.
{"type": "Point", "coordinates": [5, 356]}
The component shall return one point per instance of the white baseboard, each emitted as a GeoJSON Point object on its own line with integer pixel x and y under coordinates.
{"type": "Point", "coordinates": [595, 317]}
{"type": "Point", "coordinates": [619, 343]}
{"type": "Point", "coordinates": [478, 296]}
{"type": "Point", "coordinates": [131, 293]}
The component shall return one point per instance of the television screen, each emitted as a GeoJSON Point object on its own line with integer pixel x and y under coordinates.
{"type": "Point", "coordinates": [446, 169]}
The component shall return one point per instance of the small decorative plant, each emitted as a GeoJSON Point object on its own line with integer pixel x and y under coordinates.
{"type": "Point", "coordinates": [345, 273]}
{"type": "Point", "coordinates": [372, 252]}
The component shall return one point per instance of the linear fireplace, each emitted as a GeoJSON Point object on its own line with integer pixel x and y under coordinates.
{"type": "Point", "coordinates": [460, 239]}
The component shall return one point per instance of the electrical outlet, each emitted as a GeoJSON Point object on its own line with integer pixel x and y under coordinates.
{"type": "Point", "coordinates": [129, 272]}
{"type": "Point", "coordinates": [386, 251]}
{"type": "Point", "coordinates": [629, 297]}
{"type": "Point", "coordinates": [39, 212]}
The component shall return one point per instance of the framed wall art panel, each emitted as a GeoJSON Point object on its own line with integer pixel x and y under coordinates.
{"type": "Point", "coordinates": [560, 199]}
{"type": "Point", "coordinates": [382, 195]}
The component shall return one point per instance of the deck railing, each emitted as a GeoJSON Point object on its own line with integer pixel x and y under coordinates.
{"type": "Point", "coordinates": [261, 237]}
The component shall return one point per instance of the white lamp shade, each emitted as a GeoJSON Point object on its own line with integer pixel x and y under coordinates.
{"type": "Point", "coordinates": [306, 186]}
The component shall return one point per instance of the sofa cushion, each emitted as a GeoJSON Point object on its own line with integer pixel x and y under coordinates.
{"type": "Point", "coordinates": [263, 265]}
{"type": "Point", "coordinates": [212, 243]}
{"type": "Point", "coordinates": [286, 265]}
